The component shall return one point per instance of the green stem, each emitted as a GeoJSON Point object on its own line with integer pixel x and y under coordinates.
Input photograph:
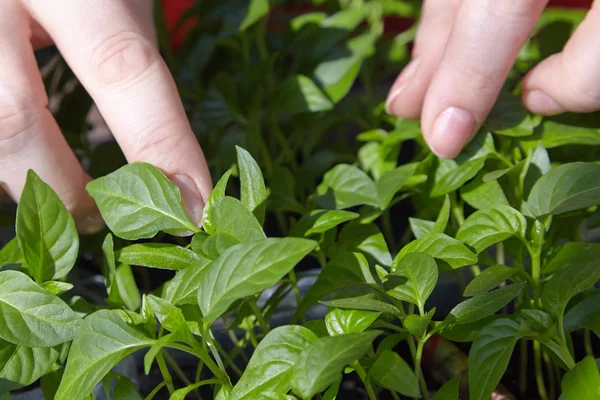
{"type": "Point", "coordinates": [203, 355]}
{"type": "Point", "coordinates": [388, 232]}
{"type": "Point", "coordinates": [164, 371]}
{"type": "Point", "coordinates": [259, 316]}
{"type": "Point", "coordinates": [523, 368]}
{"type": "Point", "coordinates": [536, 271]}
{"type": "Point", "coordinates": [457, 210]}
{"type": "Point", "coordinates": [228, 359]}
{"type": "Point", "coordinates": [418, 371]}
{"type": "Point", "coordinates": [394, 395]}
{"type": "Point", "coordinates": [539, 373]}
{"type": "Point", "coordinates": [550, 369]}
{"type": "Point", "coordinates": [156, 389]}
{"type": "Point", "coordinates": [199, 371]}
{"type": "Point", "coordinates": [180, 373]}
{"type": "Point", "coordinates": [294, 283]}
{"type": "Point", "coordinates": [587, 340]}
{"type": "Point", "coordinates": [208, 339]}
{"type": "Point", "coordinates": [365, 379]}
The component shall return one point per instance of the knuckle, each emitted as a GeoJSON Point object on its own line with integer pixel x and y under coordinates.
{"type": "Point", "coordinates": [18, 115]}
{"type": "Point", "coordinates": [514, 12]}
{"type": "Point", "coordinates": [124, 56]}
{"type": "Point", "coordinates": [582, 94]}
{"type": "Point", "coordinates": [157, 143]}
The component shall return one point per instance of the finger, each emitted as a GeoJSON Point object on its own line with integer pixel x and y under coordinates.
{"type": "Point", "coordinates": [570, 80]}
{"type": "Point", "coordinates": [406, 96]}
{"type": "Point", "coordinates": [110, 47]}
{"type": "Point", "coordinates": [29, 136]}
{"type": "Point", "coordinates": [485, 40]}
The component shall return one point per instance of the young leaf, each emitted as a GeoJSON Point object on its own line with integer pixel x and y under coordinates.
{"type": "Point", "coordinates": [566, 188]}
{"type": "Point", "coordinates": [391, 182]}
{"type": "Point", "coordinates": [439, 246]}
{"type": "Point", "coordinates": [169, 316]}
{"type": "Point", "coordinates": [230, 216]}
{"type": "Point", "coordinates": [538, 319]}
{"type": "Point", "coordinates": [103, 340]}
{"type": "Point", "coordinates": [109, 266]}
{"type": "Point", "coordinates": [480, 194]}
{"type": "Point", "coordinates": [253, 192]}
{"type": "Point", "coordinates": [585, 314]}
{"type": "Point", "coordinates": [417, 325]}
{"type": "Point", "coordinates": [255, 11]}
{"type": "Point", "coordinates": [217, 244]}
{"type": "Point", "coordinates": [481, 306]}
{"type": "Point", "coordinates": [347, 186]}
{"type": "Point", "coordinates": [11, 254]}
{"type": "Point", "coordinates": [246, 269]}
{"type": "Point", "coordinates": [489, 357]}
{"type": "Point", "coordinates": [442, 220]}
{"type": "Point", "coordinates": [573, 255]}
{"type": "Point", "coordinates": [583, 381]}
{"type": "Point", "coordinates": [363, 238]}
{"type": "Point", "coordinates": [124, 389]}
{"type": "Point", "coordinates": [158, 255]}
{"type": "Point", "coordinates": [182, 289]}
{"type": "Point", "coordinates": [217, 193]}
{"type": "Point", "coordinates": [420, 274]}
{"type": "Point", "coordinates": [490, 226]}
{"type": "Point", "coordinates": [451, 176]}
{"type": "Point", "coordinates": [31, 316]}
{"type": "Point", "coordinates": [463, 333]}
{"type": "Point", "coordinates": [488, 279]}
{"type": "Point", "coordinates": [556, 134]}
{"type": "Point", "coordinates": [509, 117]}
{"type": "Point", "coordinates": [391, 372]}
{"type": "Point", "coordinates": [22, 366]}
{"type": "Point", "coordinates": [449, 391]}
{"type": "Point", "coordinates": [299, 94]}
{"type": "Point", "coordinates": [57, 287]}
{"type": "Point", "coordinates": [363, 303]}
{"type": "Point", "coordinates": [420, 227]}
{"type": "Point", "coordinates": [137, 201]}
{"type": "Point", "coordinates": [124, 290]}
{"type": "Point", "coordinates": [322, 362]}
{"type": "Point", "coordinates": [45, 231]}
{"type": "Point", "coordinates": [339, 321]}
{"type": "Point", "coordinates": [568, 282]}
{"type": "Point", "coordinates": [271, 365]}
{"type": "Point", "coordinates": [320, 221]}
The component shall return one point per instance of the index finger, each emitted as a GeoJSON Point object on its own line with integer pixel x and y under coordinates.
{"type": "Point", "coordinates": [111, 48]}
{"type": "Point", "coordinates": [485, 40]}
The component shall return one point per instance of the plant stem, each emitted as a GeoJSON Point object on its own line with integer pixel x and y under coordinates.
{"type": "Point", "coordinates": [418, 371]}
{"type": "Point", "coordinates": [587, 341]}
{"type": "Point", "coordinates": [536, 271]}
{"type": "Point", "coordinates": [394, 395]}
{"type": "Point", "coordinates": [387, 230]}
{"type": "Point", "coordinates": [539, 373]}
{"type": "Point", "coordinates": [203, 355]}
{"type": "Point", "coordinates": [366, 381]}
{"type": "Point", "coordinates": [259, 316]}
{"type": "Point", "coordinates": [156, 389]}
{"type": "Point", "coordinates": [294, 282]}
{"type": "Point", "coordinates": [164, 371]}
{"type": "Point", "coordinates": [180, 373]}
{"type": "Point", "coordinates": [550, 369]}
{"type": "Point", "coordinates": [523, 367]}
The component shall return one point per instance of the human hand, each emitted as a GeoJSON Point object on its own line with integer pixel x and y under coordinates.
{"type": "Point", "coordinates": [110, 45]}
{"type": "Point", "coordinates": [463, 52]}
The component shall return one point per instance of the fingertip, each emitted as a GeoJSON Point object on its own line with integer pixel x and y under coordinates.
{"type": "Point", "coordinates": [191, 196]}
{"type": "Point", "coordinates": [451, 132]}
{"type": "Point", "coordinates": [540, 102]}
{"type": "Point", "coordinates": [396, 103]}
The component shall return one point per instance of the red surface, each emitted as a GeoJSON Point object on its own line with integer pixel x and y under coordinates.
{"type": "Point", "coordinates": [174, 8]}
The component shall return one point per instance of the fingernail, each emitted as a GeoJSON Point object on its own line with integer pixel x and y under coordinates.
{"type": "Point", "coordinates": [190, 196]}
{"type": "Point", "coordinates": [400, 84]}
{"type": "Point", "coordinates": [90, 224]}
{"type": "Point", "coordinates": [451, 131]}
{"type": "Point", "coordinates": [541, 102]}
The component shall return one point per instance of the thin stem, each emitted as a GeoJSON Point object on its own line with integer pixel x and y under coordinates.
{"type": "Point", "coordinates": [536, 271]}
{"type": "Point", "coordinates": [523, 368]}
{"type": "Point", "coordinates": [363, 377]}
{"type": "Point", "coordinates": [203, 355]}
{"type": "Point", "coordinates": [208, 339]}
{"type": "Point", "coordinates": [388, 233]}
{"type": "Point", "coordinates": [164, 371]}
{"type": "Point", "coordinates": [418, 371]}
{"type": "Point", "coordinates": [550, 369]}
{"type": "Point", "coordinates": [394, 395]}
{"type": "Point", "coordinates": [180, 373]}
{"type": "Point", "coordinates": [252, 338]}
{"type": "Point", "coordinates": [539, 373]}
{"type": "Point", "coordinates": [228, 359]}
{"type": "Point", "coordinates": [294, 283]}
{"type": "Point", "coordinates": [259, 316]}
{"type": "Point", "coordinates": [199, 371]}
{"type": "Point", "coordinates": [156, 389]}
{"type": "Point", "coordinates": [587, 341]}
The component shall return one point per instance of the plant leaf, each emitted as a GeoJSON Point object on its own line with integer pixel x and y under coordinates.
{"type": "Point", "coordinates": [103, 340]}
{"type": "Point", "coordinates": [124, 291]}
{"type": "Point", "coordinates": [391, 372]}
{"type": "Point", "coordinates": [490, 226]}
{"type": "Point", "coordinates": [439, 246]}
{"type": "Point", "coordinates": [391, 182]}
{"type": "Point", "coordinates": [45, 231]}
{"type": "Point", "coordinates": [158, 255]}
{"type": "Point", "coordinates": [480, 194]}
{"type": "Point", "coordinates": [420, 273]}
{"type": "Point", "coordinates": [253, 192]}
{"type": "Point", "coordinates": [556, 134]}
{"type": "Point", "coordinates": [363, 303]}
{"type": "Point", "coordinates": [299, 94]}
{"type": "Point", "coordinates": [11, 254]}
{"type": "Point", "coordinates": [453, 176]}
{"type": "Point", "coordinates": [217, 193]}
{"type": "Point", "coordinates": [169, 316]}
{"type": "Point", "coordinates": [420, 227]}
{"type": "Point", "coordinates": [320, 221]}
{"type": "Point", "coordinates": [339, 321]}
{"type": "Point", "coordinates": [346, 186]}
{"type": "Point", "coordinates": [271, 365]}
{"type": "Point", "coordinates": [137, 201]}
{"type": "Point", "coordinates": [57, 287]}
{"type": "Point", "coordinates": [489, 357]}
{"type": "Point", "coordinates": [246, 269]}
{"type": "Point", "coordinates": [364, 238]}
{"type": "Point", "coordinates": [21, 366]}
{"type": "Point", "coordinates": [449, 391]}
{"type": "Point", "coordinates": [31, 316]}
{"type": "Point", "coordinates": [566, 188]}
{"type": "Point", "coordinates": [230, 216]}
{"type": "Point", "coordinates": [182, 289]}
{"type": "Point", "coordinates": [583, 381]}
{"type": "Point", "coordinates": [585, 314]}
{"type": "Point", "coordinates": [509, 117]}
{"type": "Point", "coordinates": [568, 282]}
{"type": "Point", "coordinates": [417, 325]}
{"type": "Point", "coordinates": [256, 10]}
{"type": "Point", "coordinates": [573, 255]}
{"type": "Point", "coordinates": [322, 362]}
{"type": "Point", "coordinates": [481, 306]}
{"type": "Point", "coordinates": [489, 279]}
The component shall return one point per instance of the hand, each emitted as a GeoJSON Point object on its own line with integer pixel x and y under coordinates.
{"type": "Point", "coordinates": [110, 46]}
{"type": "Point", "coordinates": [463, 52]}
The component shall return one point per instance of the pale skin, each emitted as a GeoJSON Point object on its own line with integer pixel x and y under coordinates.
{"type": "Point", "coordinates": [462, 55]}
